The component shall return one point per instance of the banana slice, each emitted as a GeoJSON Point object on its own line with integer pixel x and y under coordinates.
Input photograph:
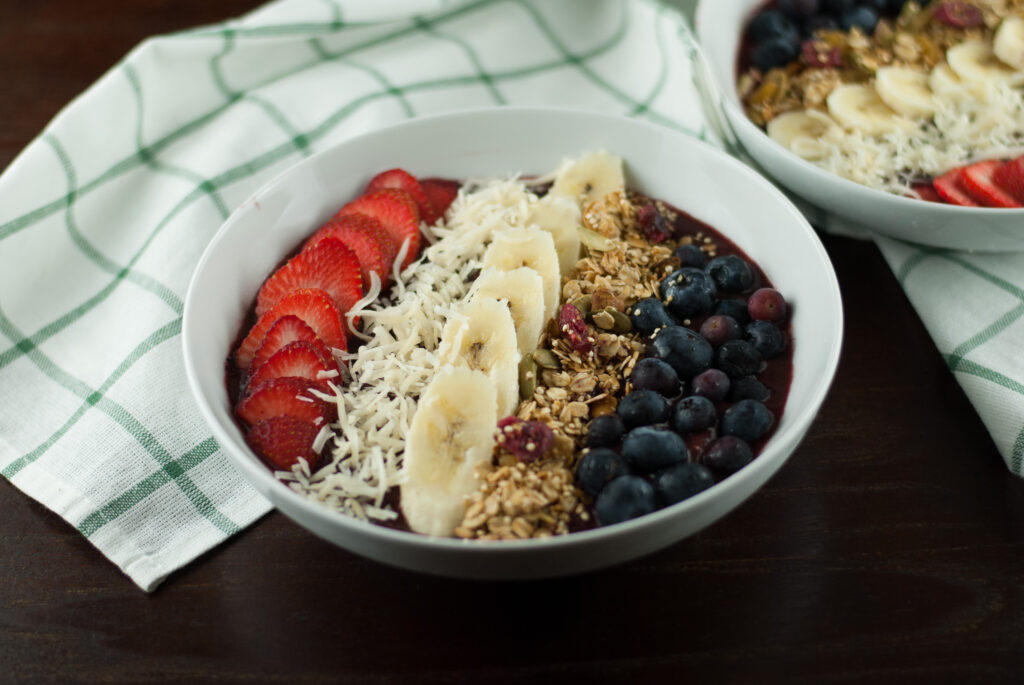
{"type": "Point", "coordinates": [448, 448]}
{"type": "Point", "coordinates": [562, 218]}
{"type": "Point", "coordinates": [943, 81]}
{"type": "Point", "coordinates": [589, 178]}
{"type": "Point", "coordinates": [1008, 43]}
{"type": "Point", "coordinates": [523, 289]}
{"type": "Point", "coordinates": [975, 62]}
{"type": "Point", "coordinates": [512, 248]}
{"type": "Point", "coordinates": [482, 336]}
{"type": "Point", "coordinates": [906, 91]}
{"type": "Point", "coordinates": [805, 132]}
{"type": "Point", "coordinates": [858, 107]}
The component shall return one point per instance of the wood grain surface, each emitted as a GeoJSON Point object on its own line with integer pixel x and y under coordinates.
{"type": "Point", "coordinates": [889, 549]}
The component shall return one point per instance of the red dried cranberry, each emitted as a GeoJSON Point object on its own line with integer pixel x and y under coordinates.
{"type": "Point", "coordinates": [959, 14]}
{"type": "Point", "coordinates": [572, 326]}
{"type": "Point", "coordinates": [818, 53]}
{"type": "Point", "coordinates": [653, 224]}
{"type": "Point", "coordinates": [528, 440]}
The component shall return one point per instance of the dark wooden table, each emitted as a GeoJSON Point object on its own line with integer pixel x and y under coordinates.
{"type": "Point", "coordinates": [889, 549]}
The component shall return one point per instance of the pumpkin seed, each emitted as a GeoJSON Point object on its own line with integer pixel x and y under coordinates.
{"type": "Point", "coordinates": [582, 303]}
{"type": "Point", "coordinates": [604, 319]}
{"type": "Point", "coordinates": [527, 377]}
{"type": "Point", "coordinates": [623, 324]}
{"type": "Point", "coordinates": [594, 240]}
{"type": "Point", "coordinates": [546, 359]}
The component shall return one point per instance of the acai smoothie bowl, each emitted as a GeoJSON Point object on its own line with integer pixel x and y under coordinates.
{"type": "Point", "coordinates": [512, 343]}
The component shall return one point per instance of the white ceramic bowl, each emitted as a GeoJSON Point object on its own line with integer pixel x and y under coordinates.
{"type": "Point", "coordinates": [687, 173]}
{"type": "Point", "coordinates": [719, 26]}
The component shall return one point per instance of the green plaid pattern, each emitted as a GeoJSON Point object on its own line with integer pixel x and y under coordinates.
{"type": "Point", "coordinates": [104, 216]}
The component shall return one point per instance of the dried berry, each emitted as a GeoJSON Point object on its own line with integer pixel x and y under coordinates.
{"type": "Point", "coordinates": [653, 224]}
{"type": "Point", "coordinates": [574, 329]}
{"type": "Point", "coordinates": [958, 14]}
{"type": "Point", "coordinates": [818, 53]}
{"type": "Point", "coordinates": [528, 440]}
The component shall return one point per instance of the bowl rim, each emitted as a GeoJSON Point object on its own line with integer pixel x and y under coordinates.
{"type": "Point", "coordinates": [732, 107]}
{"type": "Point", "coordinates": [256, 472]}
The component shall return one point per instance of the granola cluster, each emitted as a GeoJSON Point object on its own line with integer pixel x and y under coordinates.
{"type": "Point", "coordinates": [912, 39]}
{"type": "Point", "coordinates": [565, 388]}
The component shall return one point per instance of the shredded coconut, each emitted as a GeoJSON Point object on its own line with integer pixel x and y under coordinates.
{"type": "Point", "coordinates": [386, 375]}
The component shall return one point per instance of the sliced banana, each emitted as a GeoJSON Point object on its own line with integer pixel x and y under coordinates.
{"type": "Point", "coordinates": [448, 448]}
{"type": "Point", "coordinates": [532, 247]}
{"type": "Point", "coordinates": [589, 178]}
{"type": "Point", "coordinates": [562, 218]}
{"type": "Point", "coordinates": [975, 62]}
{"type": "Point", "coordinates": [906, 91]}
{"type": "Point", "coordinates": [482, 336]}
{"type": "Point", "coordinates": [944, 82]}
{"type": "Point", "coordinates": [857, 107]}
{"type": "Point", "coordinates": [523, 289]}
{"type": "Point", "coordinates": [805, 132]}
{"type": "Point", "coordinates": [1008, 43]}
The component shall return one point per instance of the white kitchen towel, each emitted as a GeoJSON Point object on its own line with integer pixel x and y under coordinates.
{"type": "Point", "coordinates": [104, 216]}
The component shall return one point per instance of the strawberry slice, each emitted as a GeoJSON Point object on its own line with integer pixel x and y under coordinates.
{"type": "Point", "coordinates": [281, 440]}
{"type": "Point", "coordinates": [299, 359]}
{"type": "Point", "coordinates": [367, 238]}
{"type": "Point", "coordinates": [441, 193]}
{"type": "Point", "coordinates": [928, 193]}
{"type": "Point", "coordinates": [1010, 177]}
{"type": "Point", "coordinates": [331, 266]}
{"type": "Point", "coordinates": [397, 213]}
{"type": "Point", "coordinates": [979, 181]}
{"type": "Point", "coordinates": [280, 397]}
{"type": "Point", "coordinates": [950, 187]}
{"type": "Point", "coordinates": [403, 180]}
{"type": "Point", "coordinates": [314, 307]}
{"type": "Point", "coordinates": [286, 330]}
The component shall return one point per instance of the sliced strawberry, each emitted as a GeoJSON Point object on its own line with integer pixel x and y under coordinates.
{"type": "Point", "coordinates": [368, 240]}
{"type": "Point", "coordinates": [928, 193]}
{"type": "Point", "coordinates": [397, 213]}
{"type": "Point", "coordinates": [950, 187]}
{"type": "Point", "coordinates": [403, 180]}
{"type": "Point", "coordinates": [314, 307]}
{"type": "Point", "coordinates": [281, 440]}
{"type": "Point", "coordinates": [1010, 177]}
{"type": "Point", "coordinates": [978, 179]}
{"type": "Point", "coordinates": [286, 330]}
{"type": "Point", "coordinates": [280, 397]}
{"type": "Point", "coordinates": [441, 193]}
{"type": "Point", "coordinates": [331, 266]}
{"type": "Point", "coordinates": [299, 359]}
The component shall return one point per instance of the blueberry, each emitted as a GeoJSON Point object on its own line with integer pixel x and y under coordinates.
{"type": "Point", "coordinates": [731, 274]}
{"type": "Point", "coordinates": [837, 6]}
{"type": "Point", "coordinates": [651, 373]}
{"type": "Point", "coordinates": [767, 304]}
{"type": "Point", "coordinates": [690, 255]}
{"type": "Point", "coordinates": [820, 22]}
{"type": "Point", "coordinates": [605, 431]}
{"type": "Point", "coordinates": [648, 449]}
{"type": "Point", "coordinates": [648, 315]}
{"type": "Point", "coordinates": [770, 24]}
{"type": "Point", "coordinates": [598, 467]}
{"type": "Point", "coordinates": [775, 52]}
{"type": "Point", "coordinates": [719, 328]}
{"type": "Point", "coordinates": [712, 384]}
{"type": "Point", "coordinates": [799, 8]}
{"type": "Point", "coordinates": [693, 414]}
{"type": "Point", "coordinates": [728, 454]}
{"type": "Point", "coordinates": [624, 498]}
{"type": "Point", "coordinates": [747, 419]}
{"type": "Point", "coordinates": [680, 482]}
{"type": "Point", "coordinates": [737, 309]}
{"type": "Point", "coordinates": [880, 6]}
{"type": "Point", "coordinates": [896, 6]}
{"type": "Point", "coordinates": [687, 292]}
{"type": "Point", "coordinates": [685, 351]}
{"type": "Point", "coordinates": [642, 408]}
{"type": "Point", "coordinates": [738, 358]}
{"type": "Point", "coordinates": [766, 338]}
{"type": "Point", "coordinates": [864, 18]}
{"type": "Point", "coordinates": [748, 388]}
